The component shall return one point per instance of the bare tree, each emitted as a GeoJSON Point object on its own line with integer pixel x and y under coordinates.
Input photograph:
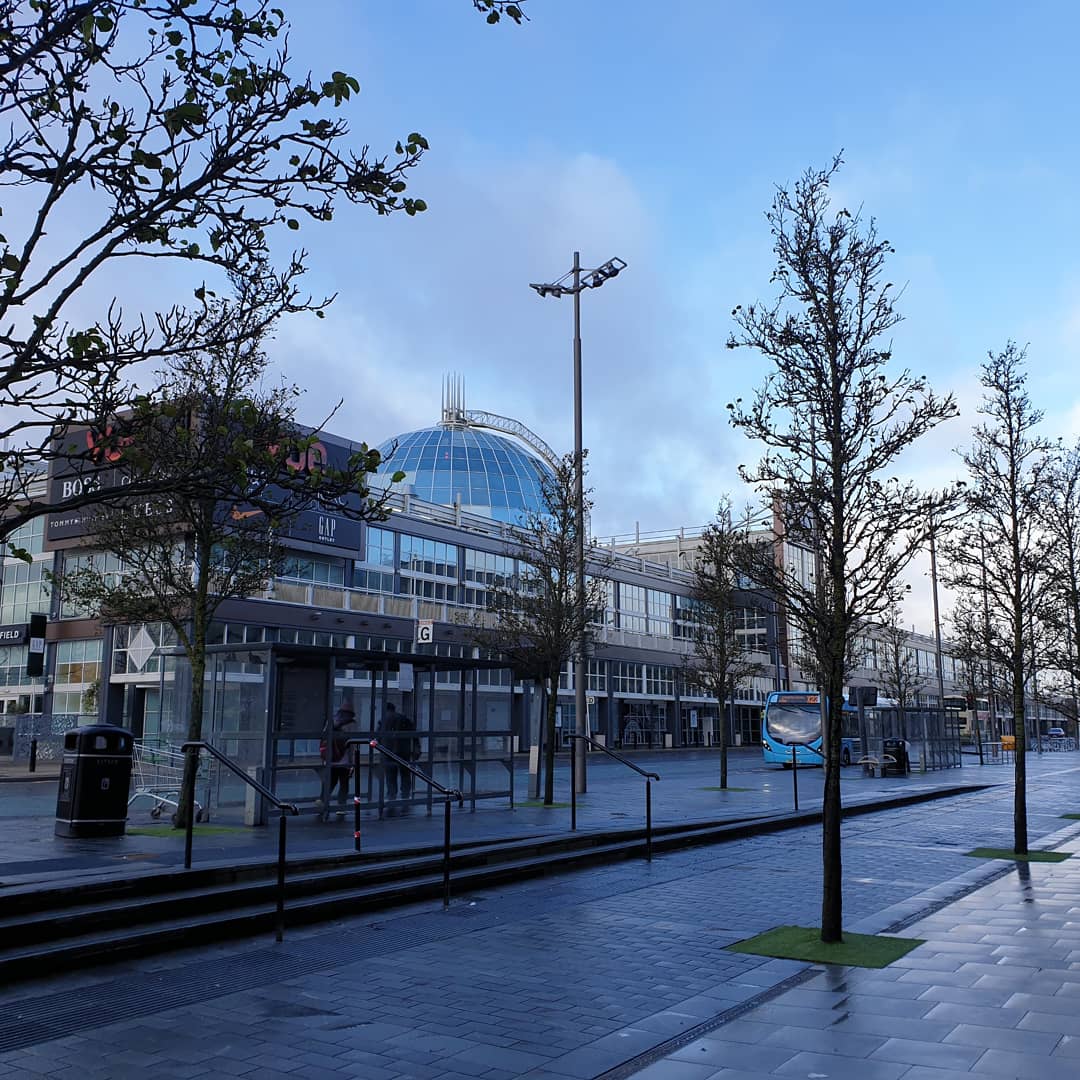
{"type": "Point", "coordinates": [969, 647]}
{"type": "Point", "coordinates": [187, 552]}
{"type": "Point", "coordinates": [1060, 612]}
{"type": "Point", "coordinates": [721, 660]}
{"type": "Point", "coordinates": [833, 424]}
{"type": "Point", "coordinates": [536, 622]}
{"type": "Point", "coordinates": [998, 551]}
{"type": "Point", "coordinates": [900, 678]}
{"type": "Point", "coordinates": [139, 136]}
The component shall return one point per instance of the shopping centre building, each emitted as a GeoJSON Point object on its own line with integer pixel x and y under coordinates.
{"type": "Point", "coordinates": [343, 622]}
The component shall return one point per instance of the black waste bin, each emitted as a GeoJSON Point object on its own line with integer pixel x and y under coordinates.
{"type": "Point", "coordinates": [896, 758]}
{"type": "Point", "coordinates": [95, 775]}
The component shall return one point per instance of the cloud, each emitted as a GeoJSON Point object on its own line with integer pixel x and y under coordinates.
{"type": "Point", "coordinates": [448, 292]}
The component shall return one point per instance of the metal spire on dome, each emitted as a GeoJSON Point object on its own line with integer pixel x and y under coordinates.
{"type": "Point", "coordinates": [453, 400]}
{"type": "Point", "coordinates": [454, 414]}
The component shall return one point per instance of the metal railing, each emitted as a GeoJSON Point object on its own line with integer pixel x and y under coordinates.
{"type": "Point", "coordinates": [284, 808]}
{"type": "Point", "coordinates": [449, 794]}
{"type": "Point", "coordinates": [649, 778]}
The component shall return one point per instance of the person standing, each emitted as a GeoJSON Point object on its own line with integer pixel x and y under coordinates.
{"type": "Point", "coordinates": [340, 768]}
{"type": "Point", "coordinates": [398, 734]}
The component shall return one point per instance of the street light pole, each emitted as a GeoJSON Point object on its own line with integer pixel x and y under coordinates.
{"type": "Point", "coordinates": [574, 282]}
{"type": "Point", "coordinates": [937, 637]}
{"type": "Point", "coordinates": [581, 716]}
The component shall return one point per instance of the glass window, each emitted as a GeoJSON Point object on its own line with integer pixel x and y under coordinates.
{"type": "Point", "coordinates": [660, 607]}
{"type": "Point", "coordinates": [78, 661]}
{"type": "Point", "coordinates": [632, 608]}
{"type": "Point", "coordinates": [597, 677]}
{"type": "Point", "coordinates": [659, 680]}
{"type": "Point", "coordinates": [751, 627]}
{"type": "Point", "coordinates": [379, 548]}
{"type": "Point", "coordinates": [626, 677]}
{"type": "Point", "coordinates": [108, 566]}
{"type": "Point", "coordinates": [686, 608]}
{"type": "Point", "coordinates": [422, 556]}
{"type": "Point", "coordinates": [130, 648]}
{"type": "Point", "coordinates": [313, 569]}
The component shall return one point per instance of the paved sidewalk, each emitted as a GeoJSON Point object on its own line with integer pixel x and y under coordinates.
{"type": "Point", "coordinates": [624, 970]}
{"type": "Point", "coordinates": [994, 992]}
{"type": "Point", "coordinates": [30, 853]}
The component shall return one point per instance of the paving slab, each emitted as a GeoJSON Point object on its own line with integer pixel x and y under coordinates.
{"type": "Point", "coordinates": [622, 968]}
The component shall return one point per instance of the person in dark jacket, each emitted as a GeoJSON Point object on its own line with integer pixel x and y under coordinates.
{"type": "Point", "coordinates": [398, 734]}
{"type": "Point", "coordinates": [340, 769]}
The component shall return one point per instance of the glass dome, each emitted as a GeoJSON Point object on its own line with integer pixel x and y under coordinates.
{"type": "Point", "coordinates": [491, 474]}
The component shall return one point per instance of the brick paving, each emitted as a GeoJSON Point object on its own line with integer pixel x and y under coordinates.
{"type": "Point", "coordinates": [623, 970]}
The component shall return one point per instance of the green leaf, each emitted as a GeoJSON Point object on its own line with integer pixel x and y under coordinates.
{"type": "Point", "coordinates": [293, 223]}
{"type": "Point", "coordinates": [10, 261]}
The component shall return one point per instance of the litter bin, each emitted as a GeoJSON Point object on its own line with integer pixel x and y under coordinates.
{"type": "Point", "coordinates": [896, 749]}
{"type": "Point", "coordinates": [95, 774]}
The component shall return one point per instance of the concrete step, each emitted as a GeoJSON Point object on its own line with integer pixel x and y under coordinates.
{"type": "Point", "coordinates": [44, 931]}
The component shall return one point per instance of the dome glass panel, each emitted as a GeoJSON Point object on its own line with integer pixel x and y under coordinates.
{"type": "Point", "coordinates": [490, 473]}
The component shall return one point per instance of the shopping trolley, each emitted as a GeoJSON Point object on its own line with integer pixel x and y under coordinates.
{"type": "Point", "coordinates": [158, 774]}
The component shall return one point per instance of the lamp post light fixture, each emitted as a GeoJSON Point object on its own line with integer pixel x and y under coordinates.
{"type": "Point", "coordinates": [572, 283]}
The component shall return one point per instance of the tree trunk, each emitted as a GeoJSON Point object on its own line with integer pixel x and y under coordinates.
{"type": "Point", "coordinates": [1020, 831]}
{"type": "Point", "coordinates": [832, 896]}
{"type": "Point", "coordinates": [549, 740]}
{"type": "Point", "coordinates": [197, 660]}
{"type": "Point", "coordinates": [194, 734]}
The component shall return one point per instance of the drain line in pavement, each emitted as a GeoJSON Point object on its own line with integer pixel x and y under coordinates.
{"type": "Point", "coordinates": [684, 1038]}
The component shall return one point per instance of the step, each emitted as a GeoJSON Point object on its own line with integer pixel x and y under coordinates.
{"type": "Point", "coordinates": [125, 940]}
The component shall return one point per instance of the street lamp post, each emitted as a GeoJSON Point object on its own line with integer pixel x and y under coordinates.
{"type": "Point", "coordinates": [573, 282]}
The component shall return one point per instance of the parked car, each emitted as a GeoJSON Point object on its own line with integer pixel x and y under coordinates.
{"type": "Point", "coordinates": [1055, 733]}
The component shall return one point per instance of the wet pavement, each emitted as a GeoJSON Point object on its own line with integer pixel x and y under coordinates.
{"type": "Point", "coordinates": [687, 792]}
{"type": "Point", "coordinates": [623, 970]}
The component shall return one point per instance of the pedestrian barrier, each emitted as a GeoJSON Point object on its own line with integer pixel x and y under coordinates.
{"type": "Point", "coordinates": [649, 777]}
{"type": "Point", "coordinates": [449, 794]}
{"type": "Point", "coordinates": [284, 808]}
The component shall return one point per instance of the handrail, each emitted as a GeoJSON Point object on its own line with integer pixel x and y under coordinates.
{"type": "Point", "coordinates": [649, 777]}
{"type": "Point", "coordinates": [618, 757]}
{"type": "Point", "coordinates": [262, 789]}
{"type": "Point", "coordinates": [449, 794]}
{"type": "Point", "coordinates": [452, 793]}
{"type": "Point", "coordinates": [286, 808]}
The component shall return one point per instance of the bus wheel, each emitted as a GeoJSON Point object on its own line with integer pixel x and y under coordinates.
{"type": "Point", "coordinates": [845, 756]}
{"type": "Point", "coordinates": [786, 764]}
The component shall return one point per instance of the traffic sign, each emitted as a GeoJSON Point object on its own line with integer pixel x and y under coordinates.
{"type": "Point", "coordinates": [425, 631]}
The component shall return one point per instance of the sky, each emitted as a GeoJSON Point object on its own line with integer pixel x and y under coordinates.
{"type": "Point", "coordinates": [657, 132]}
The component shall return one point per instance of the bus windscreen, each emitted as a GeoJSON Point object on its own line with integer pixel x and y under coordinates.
{"type": "Point", "coordinates": [794, 723]}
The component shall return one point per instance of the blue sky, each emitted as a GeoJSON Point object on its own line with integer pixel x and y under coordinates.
{"type": "Point", "coordinates": [656, 132]}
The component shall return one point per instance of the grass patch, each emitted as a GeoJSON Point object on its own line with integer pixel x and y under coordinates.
{"type": "Point", "coordinates": [1071, 817]}
{"type": "Point", "coordinates": [1031, 856]}
{"type": "Point", "coordinates": [539, 804]}
{"type": "Point", "coordinates": [198, 830]}
{"type": "Point", "coordinates": [804, 943]}
{"type": "Point", "coordinates": [728, 788]}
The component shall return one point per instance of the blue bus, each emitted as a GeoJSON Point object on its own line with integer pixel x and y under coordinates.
{"type": "Point", "coordinates": [793, 717]}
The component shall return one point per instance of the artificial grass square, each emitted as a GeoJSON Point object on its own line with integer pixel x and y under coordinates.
{"type": "Point", "coordinates": [1031, 856]}
{"type": "Point", "coordinates": [1071, 817]}
{"type": "Point", "coordinates": [804, 943]}
{"type": "Point", "coordinates": [728, 788]}
{"type": "Point", "coordinates": [539, 804]}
